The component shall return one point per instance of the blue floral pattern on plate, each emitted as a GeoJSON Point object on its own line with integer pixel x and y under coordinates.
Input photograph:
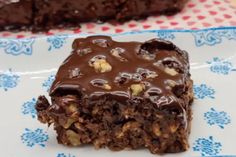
{"type": "Point", "coordinates": [166, 35]}
{"type": "Point", "coordinates": [36, 137]}
{"type": "Point", "coordinates": [217, 118]}
{"type": "Point", "coordinates": [207, 146]}
{"type": "Point", "coordinates": [28, 108]}
{"type": "Point", "coordinates": [212, 118]}
{"type": "Point", "coordinates": [8, 80]}
{"type": "Point", "coordinates": [213, 37]}
{"type": "Point", "coordinates": [202, 91]}
{"type": "Point", "coordinates": [17, 46]}
{"type": "Point", "coordinates": [221, 66]}
{"type": "Point", "coordinates": [48, 83]}
{"type": "Point", "coordinates": [57, 41]}
{"type": "Point", "coordinates": [64, 155]}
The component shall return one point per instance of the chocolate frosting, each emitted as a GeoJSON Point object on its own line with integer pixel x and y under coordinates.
{"type": "Point", "coordinates": [159, 66]}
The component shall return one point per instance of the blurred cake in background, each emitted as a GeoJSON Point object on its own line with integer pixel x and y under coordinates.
{"type": "Point", "coordinates": [42, 15]}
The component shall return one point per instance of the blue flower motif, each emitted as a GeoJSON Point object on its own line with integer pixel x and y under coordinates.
{"type": "Point", "coordinates": [17, 46]}
{"type": "Point", "coordinates": [48, 83]}
{"type": "Point", "coordinates": [221, 66]}
{"type": "Point", "coordinates": [217, 118]}
{"type": "Point", "coordinates": [207, 146]}
{"type": "Point", "coordinates": [8, 80]}
{"type": "Point", "coordinates": [213, 37]}
{"type": "Point", "coordinates": [29, 108]}
{"type": "Point", "coordinates": [202, 91]}
{"type": "Point", "coordinates": [165, 35]}
{"type": "Point", "coordinates": [57, 41]}
{"type": "Point", "coordinates": [36, 137]}
{"type": "Point", "coordinates": [64, 155]}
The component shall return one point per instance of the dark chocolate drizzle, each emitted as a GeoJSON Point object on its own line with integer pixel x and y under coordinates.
{"type": "Point", "coordinates": [154, 56]}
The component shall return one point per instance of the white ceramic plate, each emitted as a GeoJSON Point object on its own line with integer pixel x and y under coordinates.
{"type": "Point", "coordinates": [27, 69]}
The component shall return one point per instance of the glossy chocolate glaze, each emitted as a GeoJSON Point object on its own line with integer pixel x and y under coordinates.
{"type": "Point", "coordinates": [76, 75]}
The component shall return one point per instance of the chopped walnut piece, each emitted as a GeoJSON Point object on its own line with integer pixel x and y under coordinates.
{"type": "Point", "coordinates": [130, 126]}
{"type": "Point", "coordinates": [173, 128]}
{"type": "Point", "coordinates": [156, 129]}
{"type": "Point", "coordinates": [101, 84]}
{"type": "Point", "coordinates": [116, 52]}
{"type": "Point", "coordinates": [71, 108]}
{"type": "Point", "coordinates": [101, 42]}
{"type": "Point", "coordinates": [107, 87]}
{"type": "Point", "coordinates": [171, 71]}
{"type": "Point", "coordinates": [75, 73]}
{"type": "Point", "coordinates": [84, 51]}
{"type": "Point", "coordinates": [137, 88]}
{"type": "Point", "coordinates": [79, 126]}
{"type": "Point", "coordinates": [171, 83]}
{"type": "Point", "coordinates": [66, 124]}
{"type": "Point", "coordinates": [73, 138]}
{"type": "Point", "coordinates": [146, 73]}
{"type": "Point", "coordinates": [101, 65]}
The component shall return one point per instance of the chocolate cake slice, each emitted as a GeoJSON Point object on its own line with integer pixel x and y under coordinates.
{"type": "Point", "coordinates": [121, 95]}
{"type": "Point", "coordinates": [15, 14]}
{"type": "Point", "coordinates": [51, 14]}
{"type": "Point", "coordinates": [43, 15]}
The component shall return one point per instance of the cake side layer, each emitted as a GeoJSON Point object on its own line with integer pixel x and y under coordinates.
{"type": "Point", "coordinates": [109, 123]}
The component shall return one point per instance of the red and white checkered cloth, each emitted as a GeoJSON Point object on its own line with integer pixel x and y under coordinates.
{"type": "Point", "coordinates": [197, 14]}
